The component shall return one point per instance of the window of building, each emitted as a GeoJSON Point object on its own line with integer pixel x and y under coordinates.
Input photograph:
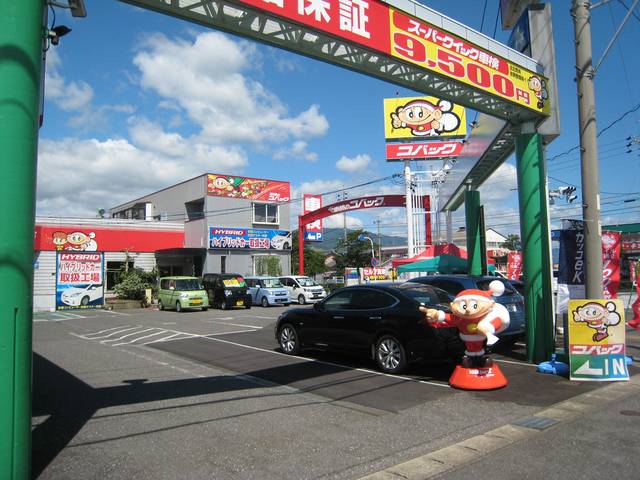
{"type": "Point", "coordinates": [265, 213]}
{"type": "Point", "coordinates": [113, 270]}
{"type": "Point", "coordinates": [223, 264]}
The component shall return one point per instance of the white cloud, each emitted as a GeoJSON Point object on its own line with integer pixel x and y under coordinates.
{"type": "Point", "coordinates": [223, 102]}
{"type": "Point", "coordinates": [297, 151]}
{"type": "Point", "coordinates": [359, 163]}
{"type": "Point", "coordinates": [336, 221]}
{"type": "Point", "coordinates": [103, 174]}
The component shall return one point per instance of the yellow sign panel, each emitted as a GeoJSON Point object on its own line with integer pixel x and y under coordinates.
{"type": "Point", "coordinates": [423, 118]}
{"type": "Point", "coordinates": [430, 47]}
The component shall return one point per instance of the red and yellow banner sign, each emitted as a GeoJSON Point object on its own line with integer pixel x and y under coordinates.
{"type": "Point", "coordinates": [248, 188]}
{"type": "Point", "coordinates": [421, 118]}
{"type": "Point", "coordinates": [378, 26]}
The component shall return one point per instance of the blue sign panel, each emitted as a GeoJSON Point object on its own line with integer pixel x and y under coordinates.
{"type": "Point", "coordinates": [79, 280]}
{"type": "Point", "coordinates": [312, 236]}
{"type": "Point", "coordinates": [249, 238]}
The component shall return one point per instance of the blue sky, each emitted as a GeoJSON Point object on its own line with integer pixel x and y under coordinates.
{"type": "Point", "coordinates": [136, 101]}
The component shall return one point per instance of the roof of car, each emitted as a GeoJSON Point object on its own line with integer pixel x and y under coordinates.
{"type": "Point", "coordinates": [179, 278]}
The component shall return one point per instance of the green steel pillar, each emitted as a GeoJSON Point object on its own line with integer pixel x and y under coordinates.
{"type": "Point", "coordinates": [21, 24]}
{"type": "Point", "coordinates": [476, 251]}
{"type": "Point", "coordinates": [534, 233]}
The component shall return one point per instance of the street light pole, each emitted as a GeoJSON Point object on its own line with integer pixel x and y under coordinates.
{"type": "Point", "coordinates": [588, 150]}
{"type": "Point", "coordinates": [364, 237]}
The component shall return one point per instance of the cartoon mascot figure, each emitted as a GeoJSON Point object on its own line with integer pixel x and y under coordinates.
{"type": "Point", "coordinates": [477, 317]}
{"type": "Point", "coordinates": [424, 118]}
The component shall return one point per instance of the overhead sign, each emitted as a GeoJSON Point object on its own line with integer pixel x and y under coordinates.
{"type": "Point", "coordinates": [597, 340]}
{"type": "Point", "coordinates": [422, 151]}
{"type": "Point", "coordinates": [423, 117]}
{"type": "Point", "coordinates": [361, 203]}
{"type": "Point", "coordinates": [313, 230]}
{"type": "Point", "coordinates": [79, 280]}
{"type": "Point", "coordinates": [249, 238]}
{"type": "Point", "coordinates": [381, 27]}
{"type": "Point", "coordinates": [248, 188]}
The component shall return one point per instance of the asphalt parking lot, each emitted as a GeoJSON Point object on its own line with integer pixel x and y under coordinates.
{"type": "Point", "coordinates": [149, 394]}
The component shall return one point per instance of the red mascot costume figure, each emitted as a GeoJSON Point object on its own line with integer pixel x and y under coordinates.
{"type": "Point", "coordinates": [478, 318]}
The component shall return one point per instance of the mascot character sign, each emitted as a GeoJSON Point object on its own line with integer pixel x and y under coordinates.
{"type": "Point", "coordinates": [478, 318]}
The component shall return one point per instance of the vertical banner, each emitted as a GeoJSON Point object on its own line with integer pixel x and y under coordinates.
{"type": "Point", "coordinates": [313, 230]}
{"type": "Point", "coordinates": [514, 265]}
{"type": "Point", "coordinates": [79, 280]}
{"type": "Point", "coordinates": [571, 268]}
{"type": "Point", "coordinates": [633, 270]}
{"type": "Point", "coordinates": [597, 340]}
{"type": "Point", "coordinates": [611, 246]}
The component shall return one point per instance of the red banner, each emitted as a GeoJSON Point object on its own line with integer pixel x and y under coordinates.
{"type": "Point", "coordinates": [611, 243]}
{"type": "Point", "coordinates": [248, 188]}
{"type": "Point", "coordinates": [312, 231]}
{"type": "Point", "coordinates": [353, 204]}
{"type": "Point", "coordinates": [82, 238]}
{"type": "Point", "coordinates": [432, 150]}
{"type": "Point", "coordinates": [514, 265]}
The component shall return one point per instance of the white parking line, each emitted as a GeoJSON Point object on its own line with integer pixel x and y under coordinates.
{"type": "Point", "coordinates": [227, 333]}
{"type": "Point", "coordinates": [117, 313]}
{"type": "Point", "coordinates": [159, 332]}
{"type": "Point", "coordinates": [514, 363]}
{"type": "Point", "coordinates": [235, 324]}
{"type": "Point", "coordinates": [259, 316]}
{"type": "Point", "coordinates": [108, 330]}
{"type": "Point", "coordinates": [208, 337]}
{"type": "Point", "coordinates": [90, 336]}
{"type": "Point", "coordinates": [127, 335]}
{"type": "Point", "coordinates": [170, 338]}
{"type": "Point", "coordinates": [73, 315]}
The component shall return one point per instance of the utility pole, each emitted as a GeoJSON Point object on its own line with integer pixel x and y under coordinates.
{"type": "Point", "coordinates": [408, 195]}
{"type": "Point", "coordinates": [377, 222]}
{"type": "Point", "coordinates": [580, 11]}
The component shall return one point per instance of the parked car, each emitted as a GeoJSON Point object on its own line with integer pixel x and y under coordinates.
{"type": "Point", "coordinates": [303, 289]}
{"type": "Point", "coordinates": [382, 322]}
{"type": "Point", "coordinates": [82, 297]}
{"type": "Point", "coordinates": [226, 290]}
{"type": "Point", "coordinates": [180, 293]}
{"type": "Point", "coordinates": [267, 291]}
{"type": "Point", "coordinates": [281, 242]}
{"type": "Point", "coordinates": [518, 285]}
{"type": "Point", "coordinates": [511, 299]}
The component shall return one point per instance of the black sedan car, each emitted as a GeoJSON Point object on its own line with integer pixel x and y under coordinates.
{"type": "Point", "coordinates": [382, 322]}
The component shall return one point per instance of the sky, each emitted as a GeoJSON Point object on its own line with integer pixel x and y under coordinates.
{"type": "Point", "coordinates": [136, 101]}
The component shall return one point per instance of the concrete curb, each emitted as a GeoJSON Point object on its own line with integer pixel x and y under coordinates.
{"type": "Point", "coordinates": [451, 457]}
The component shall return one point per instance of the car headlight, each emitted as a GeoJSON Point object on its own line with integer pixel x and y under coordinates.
{"type": "Point", "coordinates": [227, 292]}
{"type": "Point", "coordinates": [184, 295]}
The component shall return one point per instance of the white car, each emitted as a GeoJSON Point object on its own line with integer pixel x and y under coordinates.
{"type": "Point", "coordinates": [77, 297]}
{"type": "Point", "coordinates": [281, 242]}
{"type": "Point", "coordinates": [303, 289]}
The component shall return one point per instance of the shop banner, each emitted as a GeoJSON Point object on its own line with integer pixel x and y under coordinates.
{"type": "Point", "coordinates": [422, 151]}
{"type": "Point", "coordinates": [597, 340]}
{"type": "Point", "coordinates": [79, 238]}
{"type": "Point", "coordinates": [79, 280]}
{"type": "Point", "coordinates": [248, 188]}
{"type": "Point", "coordinates": [249, 238]}
{"type": "Point", "coordinates": [633, 270]}
{"type": "Point", "coordinates": [571, 266]}
{"type": "Point", "coordinates": [376, 274]}
{"type": "Point", "coordinates": [611, 243]}
{"type": "Point", "coordinates": [313, 230]}
{"type": "Point", "coordinates": [376, 25]}
{"type": "Point", "coordinates": [514, 265]}
{"type": "Point", "coordinates": [421, 118]}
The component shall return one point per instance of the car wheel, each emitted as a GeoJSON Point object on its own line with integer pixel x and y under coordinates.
{"type": "Point", "coordinates": [301, 299]}
{"type": "Point", "coordinates": [288, 340]}
{"type": "Point", "coordinates": [390, 354]}
{"type": "Point", "coordinates": [85, 301]}
{"type": "Point", "coordinates": [160, 305]}
{"type": "Point", "coordinates": [247, 307]}
{"type": "Point", "coordinates": [264, 302]}
{"type": "Point", "coordinates": [178, 306]}
{"type": "Point", "coordinates": [204, 309]}
{"type": "Point", "coordinates": [223, 305]}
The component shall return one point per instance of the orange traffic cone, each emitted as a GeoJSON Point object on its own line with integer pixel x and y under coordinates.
{"type": "Point", "coordinates": [486, 377]}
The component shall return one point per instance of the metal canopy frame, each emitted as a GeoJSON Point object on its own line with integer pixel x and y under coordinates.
{"type": "Point", "coordinates": [261, 26]}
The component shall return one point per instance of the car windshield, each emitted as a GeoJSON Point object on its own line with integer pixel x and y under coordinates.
{"type": "Point", "coordinates": [233, 281]}
{"type": "Point", "coordinates": [484, 285]}
{"type": "Point", "coordinates": [271, 282]}
{"type": "Point", "coordinates": [424, 294]}
{"type": "Point", "coordinates": [185, 284]}
{"type": "Point", "coordinates": [306, 282]}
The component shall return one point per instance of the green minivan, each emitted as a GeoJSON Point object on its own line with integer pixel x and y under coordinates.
{"type": "Point", "coordinates": [180, 293]}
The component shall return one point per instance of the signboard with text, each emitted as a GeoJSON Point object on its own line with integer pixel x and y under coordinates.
{"type": "Point", "coordinates": [248, 188]}
{"type": "Point", "coordinates": [379, 26]}
{"type": "Point", "coordinates": [313, 230]}
{"type": "Point", "coordinates": [424, 150]}
{"type": "Point", "coordinates": [79, 280]}
{"type": "Point", "coordinates": [249, 238]}
{"type": "Point", "coordinates": [597, 340]}
{"type": "Point", "coordinates": [514, 265]}
{"type": "Point", "coordinates": [420, 118]}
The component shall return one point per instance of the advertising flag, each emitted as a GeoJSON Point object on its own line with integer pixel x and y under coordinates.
{"type": "Point", "coordinates": [611, 243]}
{"type": "Point", "coordinates": [597, 340]}
{"type": "Point", "coordinates": [514, 265]}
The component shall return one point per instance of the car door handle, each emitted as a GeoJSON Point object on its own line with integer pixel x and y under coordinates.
{"type": "Point", "coordinates": [375, 318]}
{"type": "Point", "coordinates": [338, 318]}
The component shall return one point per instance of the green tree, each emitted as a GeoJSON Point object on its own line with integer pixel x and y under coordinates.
{"type": "Point", "coordinates": [512, 242]}
{"type": "Point", "coordinates": [353, 252]}
{"type": "Point", "coordinates": [268, 265]}
{"type": "Point", "coordinates": [313, 259]}
{"type": "Point", "coordinates": [132, 283]}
